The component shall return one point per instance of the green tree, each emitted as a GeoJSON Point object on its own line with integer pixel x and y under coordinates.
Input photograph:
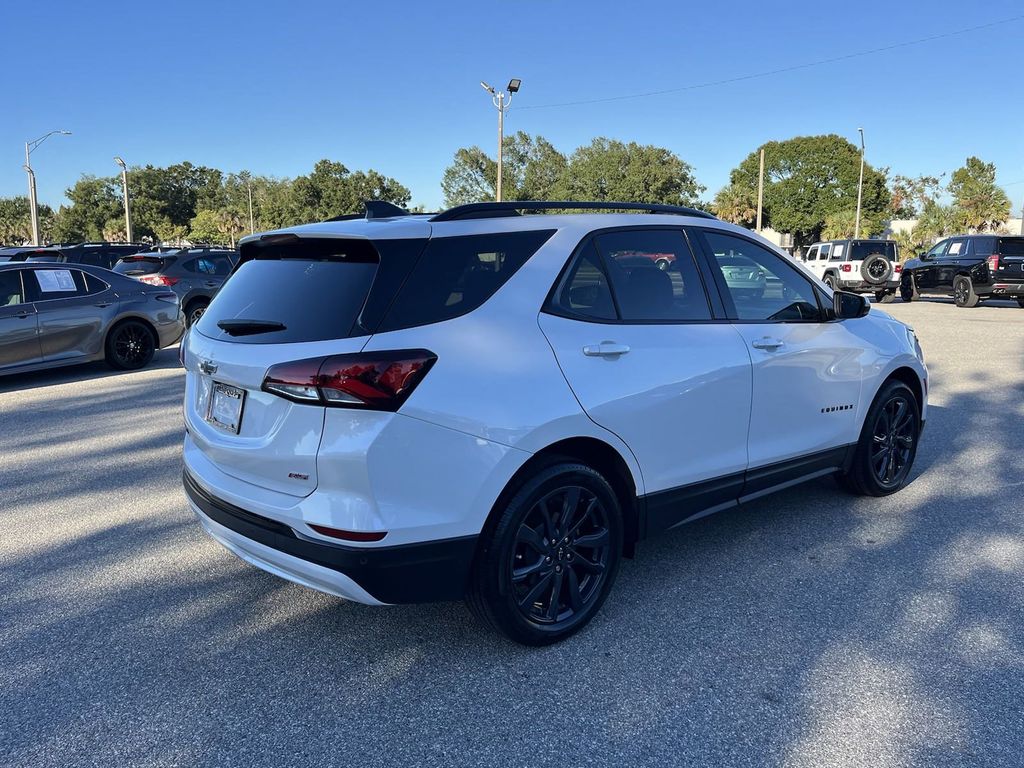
{"type": "Point", "coordinates": [736, 204]}
{"type": "Point", "coordinates": [909, 195]}
{"type": "Point", "coordinates": [910, 242]}
{"type": "Point", "coordinates": [607, 169]}
{"type": "Point", "coordinates": [333, 190]}
{"type": "Point", "coordinates": [807, 178]}
{"type": "Point", "coordinates": [843, 224]}
{"type": "Point", "coordinates": [980, 203]}
{"type": "Point", "coordinates": [94, 202]}
{"type": "Point", "coordinates": [937, 221]}
{"type": "Point", "coordinates": [16, 221]}
{"type": "Point", "coordinates": [532, 169]}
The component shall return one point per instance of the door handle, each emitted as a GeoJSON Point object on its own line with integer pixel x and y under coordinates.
{"type": "Point", "coordinates": [23, 315]}
{"type": "Point", "coordinates": [605, 349]}
{"type": "Point", "coordinates": [102, 304]}
{"type": "Point", "coordinates": [211, 284]}
{"type": "Point", "coordinates": [767, 344]}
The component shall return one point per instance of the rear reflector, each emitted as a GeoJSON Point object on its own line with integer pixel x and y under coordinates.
{"type": "Point", "coordinates": [337, 533]}
{"type": "Point", "coordinates": [379, 381]}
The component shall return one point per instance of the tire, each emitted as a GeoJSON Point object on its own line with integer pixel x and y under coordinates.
{"type": "Point", "coordinates": [194, 311]}
{"type": "Point", "coordinates": [870, 472]}
{"type": "Point", "coordinates": [908, 291]}
{"type": "Point", "coordinates": [963, 292]}
{"type": "Point", "coordinates": [535, 603]}
{"type": "Point", "coordinates": [130, 345]}
{"type": "Point", "coordinates": [831, 282]}
{"type": "Point", "coordinates": [885, 297]}
{"type": "Point", "coordinates": [876, 269]}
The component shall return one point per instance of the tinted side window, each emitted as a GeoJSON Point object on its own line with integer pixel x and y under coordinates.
{"type": "Point", "coordinates": [50, 284]}
{"type": "Point", "coordinates": [653, 275]}
{"type": "Point", "coordinates": [586, 291]}
{"type": "Point", "coordinates": [10, 288]}
{"type": "Point", "coordinates": [779, 294]}
{"type": "Point", "coordinates": [982, 246]}
{"type": "Point", "coordinates": [455, 275]}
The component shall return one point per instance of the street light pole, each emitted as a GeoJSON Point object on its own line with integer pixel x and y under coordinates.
{"type": "Point", "coordinates": [252, 225]}
{"type": "Point", "coordinates": [760, 191]}
{"type": "Point", "coordinates": [860, 185]}
{"type": "Point", "coordinates": [127, 206]}
{"type": "Point", "coordinates": [32, 202]}
{"type": "Point", "coordinates": [501, 100]}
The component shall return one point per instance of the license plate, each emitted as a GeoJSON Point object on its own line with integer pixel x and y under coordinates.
{"type": "Point", "coordinates": [225, 407]}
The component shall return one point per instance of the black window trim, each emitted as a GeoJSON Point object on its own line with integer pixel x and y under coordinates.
{"type": "Point", "coordinates": [723, 288]}
{"type": "Point", "coordinates": [551, 305]}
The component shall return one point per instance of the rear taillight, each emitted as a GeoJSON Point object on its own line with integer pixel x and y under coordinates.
{"type": "Point", "coordinates": [159, 279]}
{"type": "Point", "coordinates": [993, 262]}
{"type": "Point", "coordinates": [897, 268]}
{"type": "Point", "coordinates": [846, 267]}
{"type": "Point", "coordinates": [380, 381]}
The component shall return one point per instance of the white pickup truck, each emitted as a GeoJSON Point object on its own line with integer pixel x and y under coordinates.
{"type": "Point", "coordinates": [857, 265]}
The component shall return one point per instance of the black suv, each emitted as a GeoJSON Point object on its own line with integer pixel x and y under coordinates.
{"type": "Point", "coordinates": [970, 267]}
{"type": "Point", "coordinates": [91, 254]}
{"type": "Point", "coordinates": [195, 274]}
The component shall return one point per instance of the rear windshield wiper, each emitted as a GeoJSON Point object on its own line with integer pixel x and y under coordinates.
{"type": "Point", "coordinates": [249, 327]}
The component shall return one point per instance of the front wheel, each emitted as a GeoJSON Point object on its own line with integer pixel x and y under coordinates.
{"type": "Point", "coordinates": [548, 561]}
{"type": "Point", "coordinates": [888, 443]}
{"type": "Point", "coordinates": [963, 292]}
{"type": "Point", "coordinates": [908, 292]}
{"type": "Point", "coordinates": [1020, 303]}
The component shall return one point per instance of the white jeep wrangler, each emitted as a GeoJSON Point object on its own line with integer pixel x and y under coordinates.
{"type": "Point", "coordinates": [857, 265]}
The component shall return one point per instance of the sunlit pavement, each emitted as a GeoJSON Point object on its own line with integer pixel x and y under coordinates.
{"type": "Point", "coordinates": [808, 629]}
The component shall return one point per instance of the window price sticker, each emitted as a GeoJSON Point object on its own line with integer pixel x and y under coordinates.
{"type": "Point", "coordinates": [55, 281]}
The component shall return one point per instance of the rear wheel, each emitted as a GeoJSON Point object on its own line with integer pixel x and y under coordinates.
{"type": "Point", "coordinates": [830, 281]}
{"type": "Point", "coordinates": [548, 561]}
{"type": "Point", "coordinates": [963, 292]}
{"type": "Point", "coordinates": [130, 345]}
{"type": "Point", "coordinates": [885, 297]}
{"type": "Point", "coordinates": [888, 443]}
{"type": "Point", "coordinates": [194, 311]}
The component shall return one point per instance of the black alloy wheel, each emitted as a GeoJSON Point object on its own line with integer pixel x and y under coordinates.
{"type": "Point", "coordinates": [893, 440]}
{"type": "Point", "coordinates": [963, 292]}
{"type": "Point", "coordinates": [561, 555]}
{"type": "Point", "coordinates": [549, 555]}
{"type": "Point", "coordinates": [130, 346]}
{"type": "Point", "coordinates": [885, 452]}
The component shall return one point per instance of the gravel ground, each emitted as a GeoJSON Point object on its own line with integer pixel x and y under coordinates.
{"type": "Point", "coordinates": [807, 629]}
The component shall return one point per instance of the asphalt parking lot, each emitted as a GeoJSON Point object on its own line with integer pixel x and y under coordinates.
{"type": "Point", "coordinates": [808, 629]}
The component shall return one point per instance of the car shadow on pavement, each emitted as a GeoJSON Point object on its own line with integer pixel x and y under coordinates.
{"type": "Point", "coordinates": [164, 359]}
{"type": "Point", "coordinates": [810, 628]}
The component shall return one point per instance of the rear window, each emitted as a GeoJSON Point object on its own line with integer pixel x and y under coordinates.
{"type": "Point", "coordinates": [133, 267]}
{"type": "Point", "coordinates": [1011, 246]}
{"type": "Point", "coordinates": [862, 250]}
{"type": "Point", "coordinates": [455, 275]}
{"type": "Point", "coordinates": [316, 290]}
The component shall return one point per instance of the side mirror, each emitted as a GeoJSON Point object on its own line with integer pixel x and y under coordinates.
{"type": "Point", "coordinates": [849, 306]}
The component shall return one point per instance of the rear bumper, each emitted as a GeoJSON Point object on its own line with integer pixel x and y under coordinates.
{"type": "Point", "coordinates": [407, 573]}
{"type": "Point", "coordinates": [864, 285]}
{"type": "Point", "coordinates": [1012, 290]}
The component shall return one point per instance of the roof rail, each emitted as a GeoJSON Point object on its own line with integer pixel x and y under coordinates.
{"type": "Point", "coordinates": [512, 208]}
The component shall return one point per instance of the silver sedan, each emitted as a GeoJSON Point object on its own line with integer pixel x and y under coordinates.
{"type": "Point", "coordinates": [60, 314]}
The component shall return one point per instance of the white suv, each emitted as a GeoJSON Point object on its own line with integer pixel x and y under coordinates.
{"type": "Point", "coordinates": [497, 406]}
{"type": "Point", "coordinates": [857, 265]}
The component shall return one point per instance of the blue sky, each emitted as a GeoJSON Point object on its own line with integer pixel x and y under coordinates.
{"type": "Point", "coordinates": [273, 87]}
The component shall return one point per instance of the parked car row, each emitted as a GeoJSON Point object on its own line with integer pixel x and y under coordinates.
{"type": "Point", "coordinates": [60, 314]}
{"type": "Point", "coordinates": [970, 268]}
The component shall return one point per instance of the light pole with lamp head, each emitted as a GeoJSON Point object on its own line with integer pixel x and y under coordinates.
{"type": "Point", "coordinates": [127, 205]}
{"type": "Point", "coordinates": [501, 100]}
{"type": "Point", "coordinates": [860, 185]}
{"type": "Point", "coordinates": [30, 146]}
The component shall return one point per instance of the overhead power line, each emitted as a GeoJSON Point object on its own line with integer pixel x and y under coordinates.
{"type": "Point", "coordinates": [781, 70]}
